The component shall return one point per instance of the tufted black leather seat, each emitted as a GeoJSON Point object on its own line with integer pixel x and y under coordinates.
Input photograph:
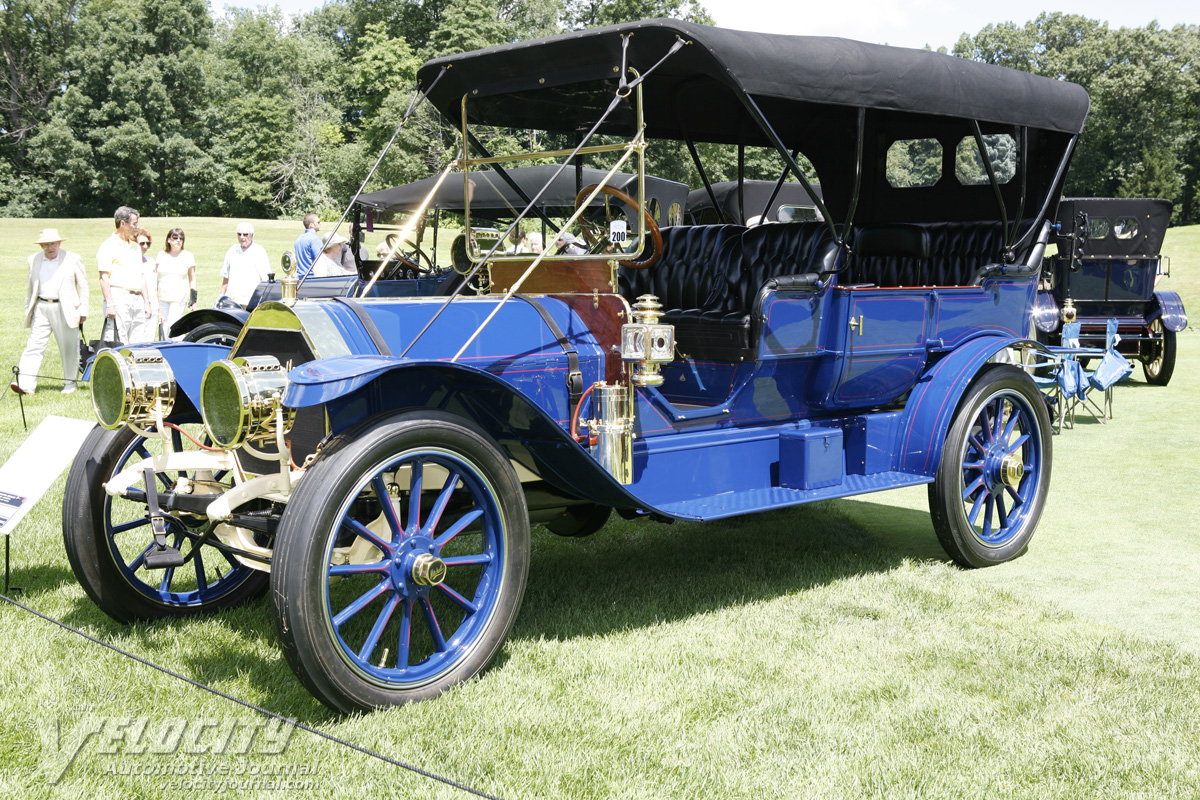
{"type": "Point", "coordinates": [928, 254]}
{"type": "Point", "coordinates": [890, 255]}
{"type": "Point", "coordinates": [689, 276]}
{"type": "Point", "coordinates": [711, 278]}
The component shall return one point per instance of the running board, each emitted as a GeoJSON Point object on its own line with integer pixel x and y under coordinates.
{"type": "Point", "coordinates": [732, 504]}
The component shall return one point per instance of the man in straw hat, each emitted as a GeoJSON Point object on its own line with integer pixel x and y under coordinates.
{"type": "Point", "coordinates": [56, 301]}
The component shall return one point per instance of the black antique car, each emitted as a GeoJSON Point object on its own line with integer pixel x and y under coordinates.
{"type": "Point", "coordinates": [380, 461]}
{"type": "Point", "coordinates": [1114, 273]}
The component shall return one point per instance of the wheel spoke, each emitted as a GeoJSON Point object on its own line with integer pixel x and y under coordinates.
{"type": "Point", "coordinates": [389, 510]}
{"type": "Point", "coordinates": [405, 635]}
{"type": "Point", "coordinates": [458, 599]}
{"type": "Point", "coordinates": [168, 576]}
{"type": "Point", "coordinates": [1001, 512]}
{"type": "Point", "coordinates": [358, 569]}
{"type": "Point", "coordinates": [987, 517]}
{"type": "Point", "coordinates": [1015, 446]}
{"type": "Point", "coordinates": [458, 527]}
{"type": "Point", "coordinates": [377, 629]}
{"type": "Point", "coordinates": [1016, 496]}
{"type": "Point", "coordinates": [128, 526]}
{"type": "Point", "coordinates": [416, 482]}
{"type": "Point", "coordinates": [136, 564]}
{"type": "Point", "coordinates": [460, 561]}
{"type": "Point", "coordinates": [1014, 416]}
{"type": "Point", "coordinates": [201, 579]}
{"type": "Point", "coordinates": [361, 603]}
{"type": "Point", "coordinates": [978, 445]}
{"type": "Point", "coordinates": [972, 488]}
{"type": "Point", "coordinates": [439, 505]}
{"type": "Point", "coordinates": [368, 534]}
{"type": "Point", "coordinates": [998, 419]}
{"type": "Point", "coordinates": [974, 512]}
{"type": "Point", "coordinates": [435, 630]}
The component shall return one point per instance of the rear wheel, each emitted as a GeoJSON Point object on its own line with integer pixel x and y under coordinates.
{"type": "Point", "coordinates": [400, 562]}
{"type": "Point", "coordinates": [1160, 363]}
{"type": "Point", "coordinates": [107, 539]}
{"type": "Point", "coordinates": [995, 472]}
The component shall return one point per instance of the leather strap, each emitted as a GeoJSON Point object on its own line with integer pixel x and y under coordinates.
{"type": "Point", "coordinates": [368, 325]}
{"type": "Point", "coordinates": [574, 376]}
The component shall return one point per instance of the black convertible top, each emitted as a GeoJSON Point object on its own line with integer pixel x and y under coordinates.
{"type": "Point", "coordinates": [688, 92]}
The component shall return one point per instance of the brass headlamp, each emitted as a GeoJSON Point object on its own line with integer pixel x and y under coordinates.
{"type": "Point", "coordinates": [241, 400]}
{"type": "Point", "coordinates": [131, 386]}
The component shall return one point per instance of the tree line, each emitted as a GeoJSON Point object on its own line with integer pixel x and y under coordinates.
{"type": "Point", "coordinates": [256, 114]}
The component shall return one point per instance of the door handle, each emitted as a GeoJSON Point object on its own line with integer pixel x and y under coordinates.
{"type": "Point", "coordinates": [857, 324]}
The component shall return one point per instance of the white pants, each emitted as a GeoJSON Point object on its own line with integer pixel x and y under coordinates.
{"type": "Point", "coordinates": [171, 314]}
{"type": "Point", "coordinates": [48, 318]}
{"type": "Point", "coordinates": [133, 325]}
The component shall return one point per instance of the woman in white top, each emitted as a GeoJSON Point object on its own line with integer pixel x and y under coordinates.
{"type": "Point", "coordinates": [176, 279]}
{"type": "Point", "coordinates": [329, 263]}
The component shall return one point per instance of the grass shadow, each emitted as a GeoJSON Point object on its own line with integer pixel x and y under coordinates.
{"type": "Point", "coordinates": [641, 573]}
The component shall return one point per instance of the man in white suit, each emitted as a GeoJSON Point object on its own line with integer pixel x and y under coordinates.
{"type": "Point", "coordinates": [56, 301]}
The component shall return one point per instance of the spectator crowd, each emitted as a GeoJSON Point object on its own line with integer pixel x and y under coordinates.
{"type": "Point", "coordinates": [144, 291]}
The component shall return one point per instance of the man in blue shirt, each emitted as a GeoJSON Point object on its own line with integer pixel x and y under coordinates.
{"type": "Point", "coordinates": [308, 246]}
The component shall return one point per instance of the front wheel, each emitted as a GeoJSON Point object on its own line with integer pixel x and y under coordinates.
{"type": "Point", "coordinates": [1161, 362]}
{"type": "Point", "coordinates": [400, 562]}
{"type": "Point", "coordinates": [107, 539]}
{"type": "Point", "coordinates": [995, 472]}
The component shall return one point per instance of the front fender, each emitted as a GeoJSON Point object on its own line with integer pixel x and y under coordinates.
{"type": "Point", "coordinates": [355, 388]}
{"type": "Point", "coordinates": [933, 401]}
{"type": "Point", "coordinates": [1170, 307]}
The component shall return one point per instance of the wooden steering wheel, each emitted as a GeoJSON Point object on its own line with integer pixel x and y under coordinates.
{"type": "Point", "coordinates": [651, 227]}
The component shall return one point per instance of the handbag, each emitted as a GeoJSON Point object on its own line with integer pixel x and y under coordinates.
{"type": "Point", "coordinates": [108, 338]}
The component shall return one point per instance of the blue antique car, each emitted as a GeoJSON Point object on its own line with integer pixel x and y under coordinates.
{"type": "Point", "coordinates": [380, 461]}
{"type": "Point", "coordinates": [1113, 273]}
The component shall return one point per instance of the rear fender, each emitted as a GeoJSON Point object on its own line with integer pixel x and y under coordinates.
{"type": "Point", "coordinates": [1170, 308]}
{"type": "Point", "coordinates": [933, 401]}
{"type": "Point", "coordinates": [355, 388]}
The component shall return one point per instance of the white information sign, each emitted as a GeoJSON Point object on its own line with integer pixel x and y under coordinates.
{"type": "Point", "coordinates": [38, 462]}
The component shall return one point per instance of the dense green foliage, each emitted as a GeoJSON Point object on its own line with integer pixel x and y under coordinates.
{"type": "Point", "coordinates": [1143, 134]}
{"type": "Point", "coordinates": [158, 104]}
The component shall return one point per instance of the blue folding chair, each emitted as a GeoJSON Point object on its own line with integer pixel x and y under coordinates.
{"type": "Point", "coordinates": [1113, 368]}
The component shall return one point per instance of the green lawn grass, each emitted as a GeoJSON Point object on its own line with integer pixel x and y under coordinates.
{"type": "Point", "coordinates": [826, 651]}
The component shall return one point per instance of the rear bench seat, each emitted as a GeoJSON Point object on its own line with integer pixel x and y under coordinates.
{"type": "Point", "coordinates": [929, 254]}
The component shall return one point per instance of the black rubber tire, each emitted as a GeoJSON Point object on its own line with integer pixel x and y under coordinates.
{"type": "Point", "coordinates": [1158, 369]}
{"type": "Point", "coordinates": [956, 532]}
{"type": "Point", "coordinates": [336, 487]}
{"type": "Point", "coordinates": [579, 521]}
{"type": "Point", "coordinates": [214, 333]}
{"type": "Point", "coordinates": [93, 556]}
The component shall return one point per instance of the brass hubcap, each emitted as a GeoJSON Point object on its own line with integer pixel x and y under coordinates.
{"type": "Point", "coordinates": [428, 570]}
{"type": "Point", "coordinates": [1012, 470]}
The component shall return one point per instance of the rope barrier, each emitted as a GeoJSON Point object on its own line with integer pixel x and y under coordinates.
{"type": "Point", "coordinates": [259, 709]}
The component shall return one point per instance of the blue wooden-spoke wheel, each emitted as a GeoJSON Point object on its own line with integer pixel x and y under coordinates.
{"type": "Point", "coordinates": [401, 562]}
{"type": "Point", "coordinates": [995, 471]}
{"type": "Point", "coordinates": [107, 539]}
